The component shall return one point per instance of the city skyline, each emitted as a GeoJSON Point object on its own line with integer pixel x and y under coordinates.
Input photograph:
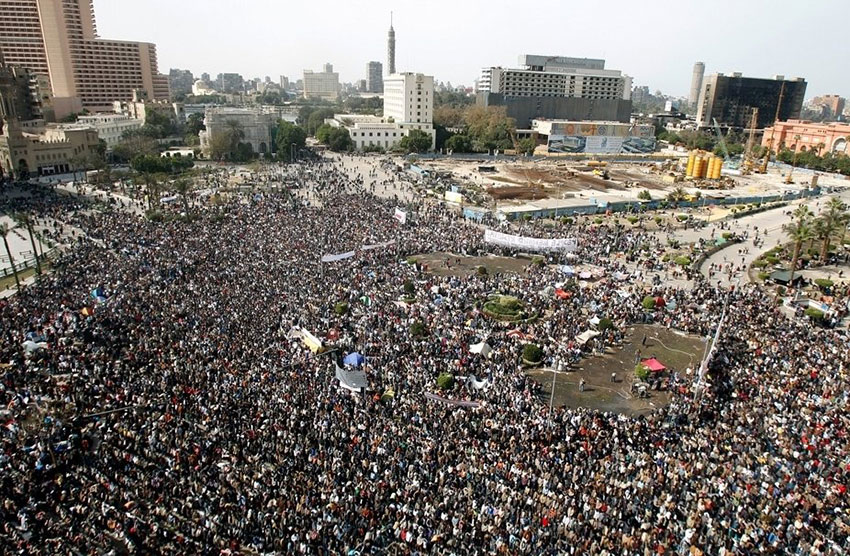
{"type": "Point", "coordinates": [432, 42]}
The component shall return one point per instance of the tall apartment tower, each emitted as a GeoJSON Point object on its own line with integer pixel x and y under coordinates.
{"type": "Point", "coordinates": [391, 48]}
{"type": "Point", "coordinates": [696, 84]}
{"type": "Point", "coordinates": [374, 77]}
{"type": "Point", "coordinates": [58, 38]}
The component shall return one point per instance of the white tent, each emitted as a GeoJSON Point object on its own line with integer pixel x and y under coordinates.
{"type": "Point", "coordinates": [585, 336]}
{"type": "Point", "coordinates": [483, 348]}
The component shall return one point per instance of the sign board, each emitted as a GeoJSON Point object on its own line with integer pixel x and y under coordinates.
{"type": "Point", "coordinates": [529, 243]}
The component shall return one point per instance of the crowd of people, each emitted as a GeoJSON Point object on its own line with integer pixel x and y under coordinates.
{"type": "Point", "coordinates": [158, 398]}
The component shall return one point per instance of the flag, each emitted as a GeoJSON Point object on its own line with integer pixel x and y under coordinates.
{"type": "Point", "coordinates": [401, 216]}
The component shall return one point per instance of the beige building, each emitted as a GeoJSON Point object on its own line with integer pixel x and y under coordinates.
{"type": "Point", "coordinates": [324, 84]}
{"type": "Point", "coordinates": [59, 38]}
{"type": "Point", "coordinates": [55, 150]}
{"type": "Point", "coordinates": [110, 127]}
{"type": "Point", "coordinates": [255, 124]}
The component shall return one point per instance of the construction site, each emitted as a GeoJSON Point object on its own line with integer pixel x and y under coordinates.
{"type": "Point", "coordinates": [544, 186]}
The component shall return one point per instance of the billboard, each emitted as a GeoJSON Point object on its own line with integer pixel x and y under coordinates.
{"type": "Point", "coordinates": [601, 138]}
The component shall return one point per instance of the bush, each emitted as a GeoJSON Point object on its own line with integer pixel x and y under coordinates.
{"type": "Point", "coordinates": [341, 308]}
{"type": "Point", "coordinates": [417, 328]}
{"type": "Point", "coordinates": [597, 220]}
{"type": "Point", "coordinates": [648, 303]}
{"type": "Point", "coordinates": [814, 314]}
{"type": "Point", "coordinates": [566, 220]}
{"type": "Point", "coordinates": [532, 353]}
{"type": "Point", "coordinates": [763, 276]}
{"type": "Point", "coordinates": [727, 235]}
{"type": "Point", "coordinates": [771, 259]}
{"type": "Point", "coordinates": [644, 195]}
{"type": "Point", "coordinates": [409, 288]}
{"type": "Point", "coordinates": [658, 219]}
{"type": "Point", "coordinates": [445, 381]}
{"type": "Point", "coordinates": [411, 260]}
{"type": "Point", "coordinates": [824, 283]}
{"type": "Point", "coordinates": [761, 263]}
{"type": "Point", "coordinates": [632, 219]}
{"type": "Point", "coordinates": [682, 217]}
{"type": "Point", "coordinates": [683, 260]}
{"type": "Point", "coordinates": [538, 261]}
{"type": "Point", "coordinates": [482, 270]}
{"type": "Point", "coordinates": [605, 324]}
{"type": "Point", "coordinates": [641, 371]}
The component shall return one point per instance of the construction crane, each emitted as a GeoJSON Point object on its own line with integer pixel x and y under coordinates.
{"type": "Point", "coordinates": [747, 165]}
{"type": "Point", "coordinates": [720, 138]}
{"type": "Point", "coordinates": [763, 167]}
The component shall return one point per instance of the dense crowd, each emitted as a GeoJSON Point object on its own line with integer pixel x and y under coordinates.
{"type": "Point", "coordinates": [157, 398]}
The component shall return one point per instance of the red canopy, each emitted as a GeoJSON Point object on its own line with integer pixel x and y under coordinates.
{"type": "Point", "coordinates": [562, 294]}
{"type": "Point", "coordinates": [653, 365]}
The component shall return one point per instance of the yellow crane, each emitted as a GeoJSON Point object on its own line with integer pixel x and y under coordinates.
{"type": "Point", "coordinates": [747, 165]}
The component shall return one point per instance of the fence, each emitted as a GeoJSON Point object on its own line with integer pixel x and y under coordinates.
{"type": "Point", "coordinates": [27, 263]}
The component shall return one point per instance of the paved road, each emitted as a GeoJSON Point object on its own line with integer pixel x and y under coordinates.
{"type": "Point", "coordinates": [769, 224]}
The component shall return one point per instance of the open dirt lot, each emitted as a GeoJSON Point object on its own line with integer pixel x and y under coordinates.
{"type": "Point", "coordinates": [674, 350]}
{"type": "Point", "coordinates": [448, 264]}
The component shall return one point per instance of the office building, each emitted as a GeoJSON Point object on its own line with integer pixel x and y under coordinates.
{"type": "Point", "coordinates": [696, 85]}
{"type": "Point", "coordinates": [557, 87]}
{"type": "Point", "coordinates": [284, 82]}
{"type": "Point", "coordinates": [323, 85]}
{"type": "Point", "coordinates": [391, 48]}
{"type": "Point", "coordinates": [180, 81]}
{"type": "Point", "coordinates": [832, 106]}
{"type": "Point", "coordinates": [408, 105]}
{"type": "Point", "coordinates": [730, 99]}
{"type": "Point", "coordinates": [110, 127]}
{"type": "Point", "coordinates": [803, 135]}
{"type": "Point", "coordinates": [58, 38]}
{"type": "Point", "coordinates": [229, 83]}
{"type": "Point", "coordinates": [374, 77]}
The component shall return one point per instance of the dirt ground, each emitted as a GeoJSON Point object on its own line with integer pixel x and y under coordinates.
{"type": "Point", "coordinates": [675, 350]}
{"type": "Point", "coordinates": [459, 265]}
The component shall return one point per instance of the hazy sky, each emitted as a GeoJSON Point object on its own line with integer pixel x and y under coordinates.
{"type": "Point", "coordinates": [655, 42]}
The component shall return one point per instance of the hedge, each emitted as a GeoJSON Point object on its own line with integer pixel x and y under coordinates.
{"type": "Point", "coordinates": [642, 371]}
{"type": "Point", "coordinates": [683, 260]}
{"type": "Point", "coordinates": [814, 314]}
{"type": "Point", "coordinates": [445, 381]}
{"type": "Point", "coordinates": [409, 288]}
{"type": "Point", "coordinates": [532, 353]}
{"type": "Point", "coordinates": [648, 303]}
{"type": "Point", "coordinates": [605, 324]}
{"type": "Point", "coordinates": [824, 283]}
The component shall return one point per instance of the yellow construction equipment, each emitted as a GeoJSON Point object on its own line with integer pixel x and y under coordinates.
{"type": "Point", "coordinates": [748, 163]}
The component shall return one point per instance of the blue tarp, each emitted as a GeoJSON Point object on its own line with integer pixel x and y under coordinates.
{"type": "Point", "coordinates": [354, 359]}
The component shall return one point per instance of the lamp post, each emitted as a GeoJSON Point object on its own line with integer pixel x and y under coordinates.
{"type": "Point", "coordinates": [793, 161]}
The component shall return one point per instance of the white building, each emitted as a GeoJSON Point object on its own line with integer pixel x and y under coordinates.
{"type": "Point", "coordinates": [408, 105]}
{"type": "Point", "coordinates": [557, 76]}
{"type": "Point", "coordinates": [256, 124]}
{"type": "Point", "coordinates": [111, 127]}
{"type": "Point", "coordinates": [324, 84]}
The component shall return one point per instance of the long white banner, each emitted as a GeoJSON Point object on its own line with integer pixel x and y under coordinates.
{"type": "Point", "coordinates": [529, 243]}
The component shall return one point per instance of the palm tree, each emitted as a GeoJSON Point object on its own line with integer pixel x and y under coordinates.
{"type": "Point", "coordinates": [182, 187]}
{"type": "Point", "coordinates": [800, 231]}
{"type": "Point", "coordinates": [25, 220]}
{"type": "Point", "coordinates": [834, 218]}
{"type": "Point", "coordinates": [4, 231]}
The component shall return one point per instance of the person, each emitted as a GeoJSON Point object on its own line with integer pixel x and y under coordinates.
{"type": "Point", "coordinates": [614, 377]}
{"type": "Point", "coordinates": [581, 384]}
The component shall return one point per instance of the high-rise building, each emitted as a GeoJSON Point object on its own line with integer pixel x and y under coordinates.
{"type": "Point", "coordinates": [58, 38]}
{"type": "Point", "coordinates": [284, 82]}
{"type": "Point", "coordinates": [557, 87]}
{"type": "Point", "coordinates": [23, 95]}
{"type": "Point", "coordinates": [229, 83]}
{"type": "Point", "coordinates": [324, 85]}
{"type": "Point", "coordinates": [391, 48]}
{"type": "Point", "coordinates": [374, 77]}
{"type": "Point", "coordinates": [696, 84]}
{"type": "Point", "coordinates": [180, 81]}
{"type": "Point", "coordinates": [832, 106]}
{"type": "Point", "coordinates": [730, 99]}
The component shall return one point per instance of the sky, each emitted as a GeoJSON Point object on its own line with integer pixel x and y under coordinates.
{"type": "Point", "coordinates": [655, 42]}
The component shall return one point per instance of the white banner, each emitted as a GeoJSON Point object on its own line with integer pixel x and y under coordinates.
{"type": "Point", "coordinates": [377, 245]}
{"type": "Point", "coordinates": [400, 215]}
{"type": "Point", "coordinates": [529, 243]}
{"type": "Point", "coordinates": [340, 257]}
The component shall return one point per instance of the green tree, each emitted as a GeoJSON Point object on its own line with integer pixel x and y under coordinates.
{"type": "Point", "coordinates": [289, 134]}
{"type": "Point", "coordinates": [799, 231]}
{"type": "Point", "coordinates": [459, 143]}
{"type": "Point", "coordinates": [527, 146]}
{"type": "Point", "coordinates": [132, 144]}
{"type": "Point", "coordinates": [4, 231]}
{"type": "Point", "coordinates": [833, 219]}
{"type": "Point", "coordinates": [339, 140]}
{"type": "Point", "coordinates": [416, 141]}
{"type": "Point", "coordinates": [195, 124]}
{"type": "Point", "coordinates": [323, 133]}
{"type": "Point", "coordinates": [182, 187]}
{"type": "Point", "coordinates": [489, 127]}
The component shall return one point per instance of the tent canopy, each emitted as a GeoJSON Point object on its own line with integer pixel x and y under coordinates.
{"type": "Point", "coordinates": [585, 336]}
{"type": "Point", "coordinates": [653, 365]}
{"type": "Point", "coordinates": [354, 359]}
{"type": "Point", "coordinates": [483, 348]}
